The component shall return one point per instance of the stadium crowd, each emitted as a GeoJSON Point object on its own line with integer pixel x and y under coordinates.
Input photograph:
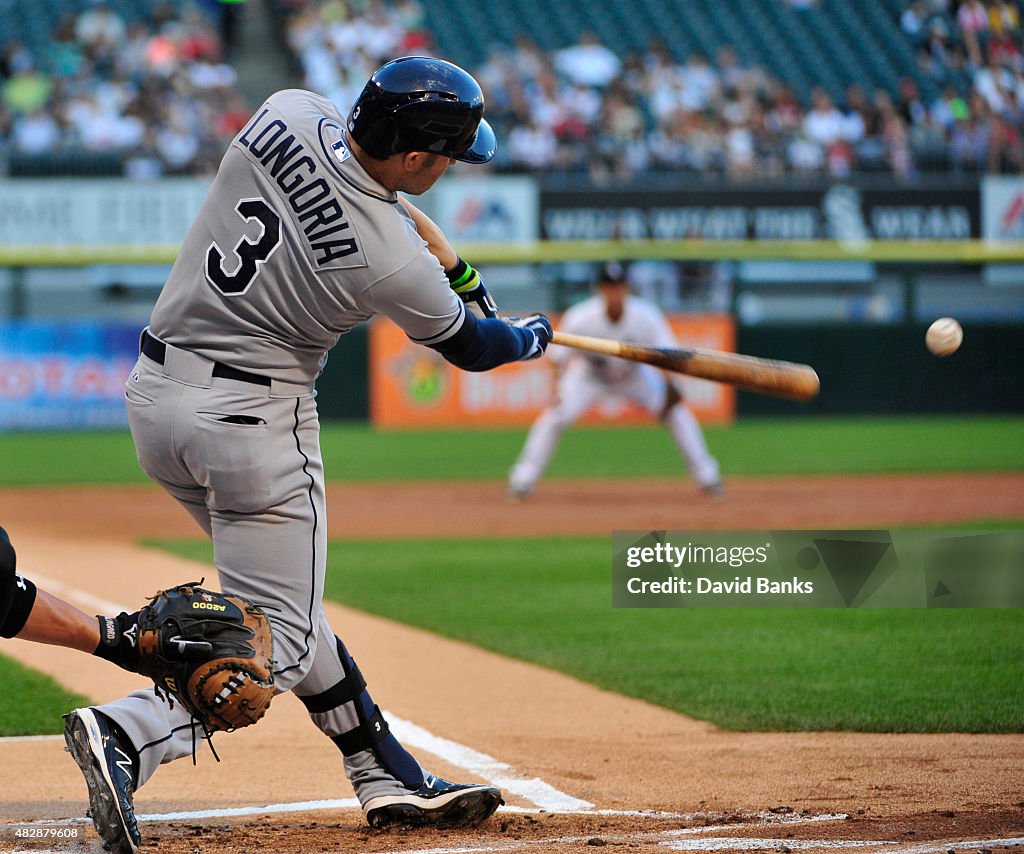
{"type": "Point", "coordinates": [155, 92]}
{"type": "Point", "coordinates": [160, 93]}
{"type": "Point", "coordinates": [586, 109]}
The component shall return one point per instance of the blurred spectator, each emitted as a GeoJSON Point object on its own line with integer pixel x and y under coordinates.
{"type": "Point", "coordinates": [27, 89]}
{"type": "Point", "coordinates": [823, 124]}
{"type": "Point", "coordinates": [805, 155]}
{"type": "Point", "coordinates": [100, 29]}
{"type": "Point", "coordinates": [935, 54]}
{"type": "Point", "coordinates": [893, 134]}
{"type": "Point", "coordinates": [588, 62]}
{"type": "Point", "coordinates": [992, 82]}
{"type": "Point", "coordinates": [911, 109]}
{"type": "Point", "coordinates": [912, 21]}
{"type": "Point", "coordinates": [854, 121]}
{"type": "Point", "coordinates": [928, 147]}
{"type": "Point", "coordinates": [1004, 19]}
{"type": "Point", "coordinates": [35, 133]}
{"type": "Point", "coordinates": [972, 19]}
{"type": "Point", "coordinates": [1004, 49]}
{"type": "Point", "coordinates": [14, 58]}
{"type": "Point", "coordinates": [700, 83]}
{"type": "Point", "coordinates": [64, 53]}
{"type": "Point", "coordinates": [532, 145]}
{"type": "Point", "coordinates": [732, 74]}
{"type": "Point", "coordinates": [740, 159]}
{"type": "Point", "coordinates": [949, 109]}
{"type": "Point", "coordinates": [1005, 152]}
{"type": "Point", "coordinates": [969, 145]}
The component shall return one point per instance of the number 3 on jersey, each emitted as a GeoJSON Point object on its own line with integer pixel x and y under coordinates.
{"type": "Point", "coordinates": [250, 254]}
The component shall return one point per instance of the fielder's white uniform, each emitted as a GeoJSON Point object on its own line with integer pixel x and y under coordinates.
{"type": "Point", "coordinates": [589, 377]}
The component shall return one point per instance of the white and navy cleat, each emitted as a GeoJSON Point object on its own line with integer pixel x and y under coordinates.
{"type": "Point", "coordinates": [106, 758]}
{"type": "Point", "coordinates": [436, 803]}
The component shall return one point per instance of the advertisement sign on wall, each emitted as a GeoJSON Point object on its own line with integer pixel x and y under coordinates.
{"type": "Point", "coordinates": [412, 386]}
{"type": "Point", "coordinates": [98, 212]}
{"type": "Point", "coordinates": [60, 376]}
{"type": "Point", "coordinates": [837, 212]}
{"type": "Point", "coordinates": [1002, 207]}
{"type": "Point", "coordinates": [492, 208]}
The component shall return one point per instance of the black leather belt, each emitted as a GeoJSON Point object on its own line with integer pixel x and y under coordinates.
{"type": "Point", "coordinates": [157, 351]}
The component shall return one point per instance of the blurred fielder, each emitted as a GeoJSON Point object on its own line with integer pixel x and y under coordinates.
{"type": "Point", "coordinates": [586, 378]}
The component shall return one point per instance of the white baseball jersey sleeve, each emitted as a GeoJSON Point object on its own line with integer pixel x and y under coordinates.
{"type": "Point", "coordinates": [641, 322]}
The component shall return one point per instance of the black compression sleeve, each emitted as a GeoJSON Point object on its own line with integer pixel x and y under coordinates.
{"type": "Point", "coordinates": [17, 594]}
{"type": "Point", "coordinates": [480, 345]}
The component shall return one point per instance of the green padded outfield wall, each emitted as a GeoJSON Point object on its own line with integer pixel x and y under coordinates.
{"type": "Point", "coordinates": [882, 370]}
{"type": "Point", "coordinates": [343, 388]}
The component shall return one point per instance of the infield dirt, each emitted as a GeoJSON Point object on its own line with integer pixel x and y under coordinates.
{"type": "Point", "coordinates": [620, 754]}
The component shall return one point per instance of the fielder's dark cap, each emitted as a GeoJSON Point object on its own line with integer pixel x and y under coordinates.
{"type": "Point", "coordinates": [420, 103]}
{"type": "Point", "coordinates": [613, 273]}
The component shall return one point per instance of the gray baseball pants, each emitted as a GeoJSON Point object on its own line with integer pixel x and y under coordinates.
{"type": "Point", "coordinates": [244, 460]}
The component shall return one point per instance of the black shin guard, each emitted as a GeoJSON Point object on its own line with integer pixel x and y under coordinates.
{"type": "Point", "coordinates": [370, 730]}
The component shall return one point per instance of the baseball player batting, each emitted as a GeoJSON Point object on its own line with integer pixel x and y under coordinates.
{"type": "Point", "coordinates": [612, 313]}
{"type": "Point", "coordinates": [302, 237]}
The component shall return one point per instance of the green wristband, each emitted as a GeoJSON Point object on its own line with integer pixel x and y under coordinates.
{"type": "Point", "coordinates": [463, 278]}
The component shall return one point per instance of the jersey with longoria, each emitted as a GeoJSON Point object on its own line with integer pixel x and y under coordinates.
{"type": "Point", "coordinates": [295, 245]}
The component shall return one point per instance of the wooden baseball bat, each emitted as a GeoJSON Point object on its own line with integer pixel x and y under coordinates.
{"type": "Point", "coordinates": [767, 376]}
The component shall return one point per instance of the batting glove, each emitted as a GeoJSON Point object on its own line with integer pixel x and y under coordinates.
{"type": "Point", "coordinates": [119, 640]}
{"type": "Point", "coordinates": [540, 326]}
{"type": "Point", "coordinates": [466, 282]}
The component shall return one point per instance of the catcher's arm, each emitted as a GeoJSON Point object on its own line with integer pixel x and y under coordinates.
{"type": "Point", "coordinates": [60, 623]}
{"type": "Point", "coordinates": [30, 613]}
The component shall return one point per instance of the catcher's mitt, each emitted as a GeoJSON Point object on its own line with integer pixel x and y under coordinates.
{"type": "Point", "coordinates": [211, 651]}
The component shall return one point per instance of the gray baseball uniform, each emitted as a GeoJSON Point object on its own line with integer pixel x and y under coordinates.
{"type": "Point", "coordinates": [294, 245]}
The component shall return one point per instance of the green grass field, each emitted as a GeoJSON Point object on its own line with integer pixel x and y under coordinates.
{"type": "Point", "coordinates": [870, 670]}
{"type": "Point", "coordinates": [749, 447]}
{"type": "Point", "coordinates": [33, 703]}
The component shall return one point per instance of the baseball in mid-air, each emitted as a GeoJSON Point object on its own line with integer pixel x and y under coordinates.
{"type": "Point", "coordinates": [944, 336]}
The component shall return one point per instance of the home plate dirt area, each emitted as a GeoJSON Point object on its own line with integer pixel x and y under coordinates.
{"type": "Point", "coordinates": [581, 768]}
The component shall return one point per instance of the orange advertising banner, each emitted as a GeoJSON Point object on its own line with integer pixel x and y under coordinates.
{"type": "Point", "coordinates": [412, 386]}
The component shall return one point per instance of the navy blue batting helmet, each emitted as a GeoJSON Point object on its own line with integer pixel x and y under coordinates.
{"type": "Point", "coordinates": [419, 103]}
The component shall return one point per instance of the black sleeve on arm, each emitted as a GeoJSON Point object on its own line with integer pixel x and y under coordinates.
{"type": "Point", "coordinates": [480, 345]}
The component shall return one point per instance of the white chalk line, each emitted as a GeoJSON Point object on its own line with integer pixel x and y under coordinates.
{"type": "Point", "coordinates": [747, 843]}
{"type": "Point", "coordinates": [266, 809]}
{"type": "Point", "coordinates": [763, 819]}
{"type": "Point", "coordinates": [501, 774]}
{"type": "Point", "coordinates": [719, 843]}
{"type": "Point", "coordinates": [102, 606]}
{"type": "Point", "coordinates": [663, 837]}
{"type": "Point", "coordinates": [940, 848]}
